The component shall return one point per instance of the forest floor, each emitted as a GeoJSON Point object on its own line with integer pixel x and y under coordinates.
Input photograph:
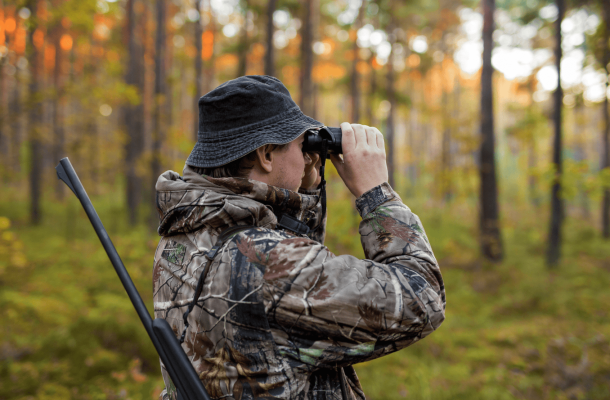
{"type": "Point", "coordinates": [514, 330]}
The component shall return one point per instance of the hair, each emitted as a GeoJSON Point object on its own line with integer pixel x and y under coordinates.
{"type": "Point", "coordinates": [239, 168]}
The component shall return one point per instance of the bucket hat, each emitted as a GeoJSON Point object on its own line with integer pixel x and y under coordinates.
{"type": "Point", "coordinates": [242, 115]}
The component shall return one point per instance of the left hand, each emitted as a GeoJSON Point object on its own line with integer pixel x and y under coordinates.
{"type": "Point", "coordinates": [311, 175]}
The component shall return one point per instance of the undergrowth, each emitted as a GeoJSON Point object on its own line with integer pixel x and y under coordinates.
{"type": "Point", "coordinates": [513, 330]}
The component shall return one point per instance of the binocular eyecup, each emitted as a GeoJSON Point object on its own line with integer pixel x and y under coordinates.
{"type": "Point", "coordinates": [316, 140]}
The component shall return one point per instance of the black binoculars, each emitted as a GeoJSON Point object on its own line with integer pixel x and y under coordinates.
{"type": "Point", "coordinates": [329, 138]}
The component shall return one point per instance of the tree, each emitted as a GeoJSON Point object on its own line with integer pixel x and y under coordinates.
{"type": "Point", "coordinates": [306, 82]}
{"type": "Point", "coordinates": [391, 98]}
{"type": "Point", "coordinates": [270, 49]}
{"type": "Point", "coordinates": [35, 112]}
{"type": "Point", "coordinates": [242, 51]}
{"type": "Point", "coordinates": [491, 241]}
{"type": "Point", "coordinates": [355, 76]}
{"type": "Point", "coordinates": [161, 100]}
{"type": "Point", "coordinates": [554, 249]}
{"type": "Point", "coordinates": [59, 103]}
{"type": "Point", "coordinates": [133, 113]}
{"type": "Point", "coordinates": [606, 135]}
{"type": "Point", "coordinates": [198, 65]}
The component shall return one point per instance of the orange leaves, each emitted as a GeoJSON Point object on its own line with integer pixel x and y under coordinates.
{"type": "Point", "coordinates": [38, 38]}
{"type": "Point", "coordinates": [49, 57]}
{"type": "Point", "coordinates": [66, 42]}
{"type": "Point", "coordinates": [207, 45]}
{"type": "Point", "coordinates": [10, 25]}
{"type": "Point", "coordinates": [363, 67]}
{"type": "Point", "coordinates": [290, 75]}
{"type": "Point", "coordinates": [2, 28]}
{"type": "Point", "coordinates": [413, 60]}
{"type": "Point", "coordinates": [226, 61]}
{"type": "Point", "coordinates": [20, 35]}
{"type": "Point", "coordinates": [376, 65]}
{"type": "Point", "coordinates": [327, 71]}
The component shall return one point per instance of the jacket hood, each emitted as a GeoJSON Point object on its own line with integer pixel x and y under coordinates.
{"type": "Point", "coordinates": [189, 203]}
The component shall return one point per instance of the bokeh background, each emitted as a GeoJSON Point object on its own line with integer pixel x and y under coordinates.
{"type": "Point", "coordinates": [496, 120]}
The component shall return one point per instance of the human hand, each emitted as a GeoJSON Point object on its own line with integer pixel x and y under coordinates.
{"type": "Point", "coordinates": [311, 175]}
{"type": "Point", "coordinates": [363, 165]}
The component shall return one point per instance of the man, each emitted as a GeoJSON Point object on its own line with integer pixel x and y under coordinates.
{"type": "Point", "coordinates": [280, 316]}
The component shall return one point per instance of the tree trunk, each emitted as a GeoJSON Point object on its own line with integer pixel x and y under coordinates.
{"type": "Point", "coordinates": [390, 124]}
{"type": "Point", "coordinates": [133, 115]}
{"type": "Point", "coordinates": [15, 109]}
{"type": "Point", "coordinates": [243, 43]}
{"type": "Point", "coordinates": [355, 76]}
{"type": "Point", "coordinates": [606, 136]}
{"type": "Point", "coordinates": [306, 94]}
{"type": "Point", "coordinates": [554, 249]}
{"type": "Point", "coordinates": [270, 49]}
{"type": "Point", "coordinates": [58, 109]}
{"type": "Point", "coordinates": [491, 241]}
{"type": "Point", "coordinates": [4, 142]}
{"type": "Point", "coordinates": [370, 109]}
{"type": "Point", "coordinates": [208, 66]}
{"type": "Point", "coordinates": [35, 114]}
{"type": "Point", "coordinates": [161, 95]}
{"type": "Point", "coordinates": [198, 63]}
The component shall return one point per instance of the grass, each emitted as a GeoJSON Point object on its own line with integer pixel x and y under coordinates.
{"type": "Point", "coordinates": [514, 330]}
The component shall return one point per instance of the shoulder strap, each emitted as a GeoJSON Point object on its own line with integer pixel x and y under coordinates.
{"type": "Point", "coordinates": [224, 236]}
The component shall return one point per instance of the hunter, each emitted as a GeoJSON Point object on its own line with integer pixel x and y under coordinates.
{"type": "Point", "coordinates": [279, 315]}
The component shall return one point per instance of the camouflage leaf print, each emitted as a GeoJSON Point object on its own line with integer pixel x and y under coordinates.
{"type": "Point", "coordinates": [174, 252]}
{"type": "Point", "coordinates": [279, 313]}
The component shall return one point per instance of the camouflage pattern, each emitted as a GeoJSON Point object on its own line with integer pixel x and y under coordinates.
{"type": "Point", "coordinates": [279, 313]}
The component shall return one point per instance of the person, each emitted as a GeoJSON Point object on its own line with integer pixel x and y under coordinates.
{"type": "Point", "coordinates": [280, 315]}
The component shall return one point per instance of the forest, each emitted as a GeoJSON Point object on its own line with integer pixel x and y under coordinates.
{"type": "Point", "coordinates": [497, 127]}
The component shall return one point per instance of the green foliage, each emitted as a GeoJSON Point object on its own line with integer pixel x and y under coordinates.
{"type": "Point", "coordinates": [513, 331]}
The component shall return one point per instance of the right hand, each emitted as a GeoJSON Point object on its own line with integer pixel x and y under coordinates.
{"type": "Point", "coordinates": [363, 166]}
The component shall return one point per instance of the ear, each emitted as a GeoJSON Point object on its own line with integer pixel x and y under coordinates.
{"type": "Point", "coordinates": [264, 158]}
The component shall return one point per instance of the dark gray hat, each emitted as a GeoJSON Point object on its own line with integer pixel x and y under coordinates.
{"type": "Point", "coordinates": [242, 115]}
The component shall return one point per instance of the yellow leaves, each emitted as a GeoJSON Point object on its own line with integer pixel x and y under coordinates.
{"type": "Point", "coordinates": [11, 249]}
{"type": "Point", "coordinates": [5, 223]}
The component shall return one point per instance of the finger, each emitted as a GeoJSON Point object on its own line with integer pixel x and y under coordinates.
{"type": "Point", "coordinates": [308, 159]}
{"type": "Point", "coordinates": [371, 136]}
{"type": "Point", "coordinates": [379, 139]}
{"type": "Point", "coordinates": [348, 140]}
{"type": "Point", "coordinates": [338, 163]}
{"type": "Point", "coordinates": [359, 134]}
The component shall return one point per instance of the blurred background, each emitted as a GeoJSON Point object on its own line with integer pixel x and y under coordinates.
{"type": "Point", "coordinates": [496, 119]}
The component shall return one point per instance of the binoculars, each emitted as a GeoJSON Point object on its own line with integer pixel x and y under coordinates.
{"type": "Point", "coordinates": [317, 140]}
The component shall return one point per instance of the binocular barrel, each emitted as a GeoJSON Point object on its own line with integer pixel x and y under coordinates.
{"type": "Point", "coordinates": [314, 141]}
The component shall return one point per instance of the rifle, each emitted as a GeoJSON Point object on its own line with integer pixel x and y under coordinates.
{"type": "Point", "coordinates": [178, 366]}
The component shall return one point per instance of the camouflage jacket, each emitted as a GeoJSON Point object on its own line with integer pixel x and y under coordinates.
{"type": "Point", "coordinates": [279, 313]}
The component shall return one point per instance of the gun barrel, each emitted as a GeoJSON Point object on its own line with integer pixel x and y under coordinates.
{"type": "Point", "coordinates": [171, 353]}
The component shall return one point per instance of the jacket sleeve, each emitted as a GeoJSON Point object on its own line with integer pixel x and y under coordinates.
{"type": "Point", "coordinates": [326, 310]}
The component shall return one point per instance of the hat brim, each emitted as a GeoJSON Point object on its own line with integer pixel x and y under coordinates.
{"type": "Point", "coordinates": [215, 149]}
